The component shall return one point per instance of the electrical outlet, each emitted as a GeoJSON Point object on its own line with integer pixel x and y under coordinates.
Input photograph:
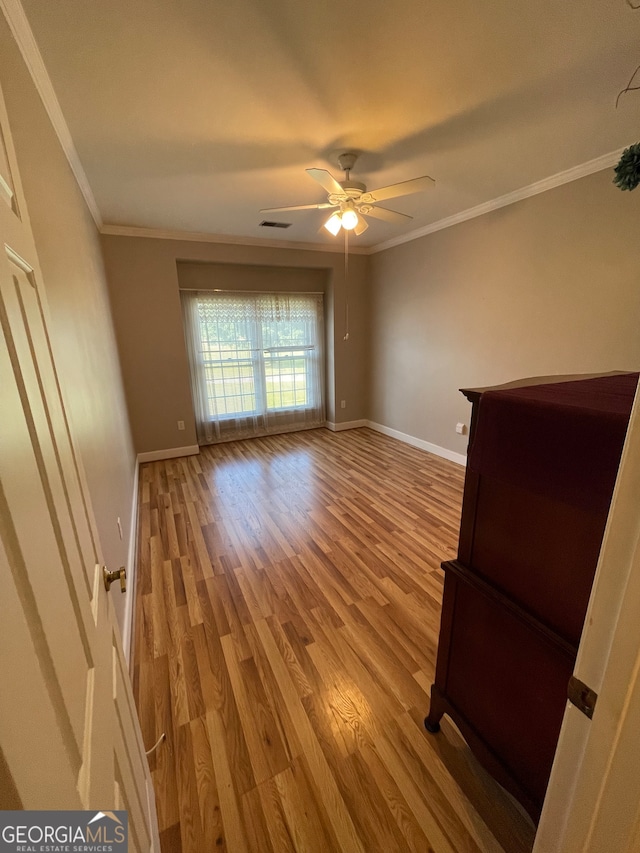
{"type": "Point", "coordinates": [180, 424]}
{"type": "Point", "coordinates": [461, 429]}
{"type": "Point", "coordinates": [119, 527]}
{"type": "Point", "coordinates": [343, 404]}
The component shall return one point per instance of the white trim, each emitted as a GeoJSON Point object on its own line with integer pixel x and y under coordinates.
{"type": "Point", "coordinates": [127, 628]}
{"type": "Point", "coordinates": [6, 192]}
{"type": "Point", "coordinates": [444, 452]}
{"type": "Point", "coordinates": [573, 174]}
{"type": "Point", "coordinates": [153, 814]}
{"type": "Point", "coordinates": [226, 239]}
{"type": "Point", "coordinates": [23, 34]}
{"type": "Point", "coordinates": [169, 453]}
{"type": "Point", "coordinates": [346, 425]}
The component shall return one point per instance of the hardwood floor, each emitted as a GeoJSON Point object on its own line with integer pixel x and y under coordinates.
{"type": "Point", "coordinates": [287, 614]}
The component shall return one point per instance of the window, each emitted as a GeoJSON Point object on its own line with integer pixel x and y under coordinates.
{"type": "Point", "coordinates": [256, 362]}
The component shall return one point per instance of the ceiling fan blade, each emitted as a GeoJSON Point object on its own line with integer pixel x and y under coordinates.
{"type": "Point", "coordinates": [361, 227]}
{"type": "Point", "coordinates": [296, 207]}
{"type": "Point", "coordinates": [416, 185]}
{"type": "Point", "coordinates": [388, 215]}
{"type": "Point", "coordinates": [327, 181]}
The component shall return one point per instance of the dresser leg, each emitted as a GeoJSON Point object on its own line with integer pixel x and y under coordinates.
{"type": "Point", "coordinates": [432, 727]}
{"type": "Point", "coordinates": [432, 721]}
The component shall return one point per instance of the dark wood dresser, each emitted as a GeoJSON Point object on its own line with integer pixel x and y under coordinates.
{"type": "Point", "coordinates": [542, 462]}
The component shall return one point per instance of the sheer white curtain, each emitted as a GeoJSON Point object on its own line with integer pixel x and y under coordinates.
{"type": "Point", "coordinates": [256, 362]}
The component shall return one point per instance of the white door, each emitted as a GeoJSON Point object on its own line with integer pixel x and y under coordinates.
{"type": "Point", "coordinates": [69, 735]}
{"type": "Point", "coordinates": [593, 799]}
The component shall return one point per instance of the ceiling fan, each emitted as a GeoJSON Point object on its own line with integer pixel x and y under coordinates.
{"type": "Point", "coordinates": [352, 200]}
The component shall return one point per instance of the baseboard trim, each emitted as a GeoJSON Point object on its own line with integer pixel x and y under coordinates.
{"type": "Point", "coordinates": [132, 554]}
{"type": "Point", "coordinates": [169, 453]}
{"type": "Point", "coordinates": [445, 453]}
{"type": "Point", "coordinates": [346, 425]}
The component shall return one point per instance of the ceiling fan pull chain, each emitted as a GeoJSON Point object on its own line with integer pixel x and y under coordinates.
{"type": "Point", "coordinates": [346, 285]}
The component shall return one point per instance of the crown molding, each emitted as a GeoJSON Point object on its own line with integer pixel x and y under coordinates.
{"type": "Point", "coordinates": [23, 34]}
{"type": "Point", "coordinates": [573, 174]}
{"type": "Point", "coordinates": [228, 239]}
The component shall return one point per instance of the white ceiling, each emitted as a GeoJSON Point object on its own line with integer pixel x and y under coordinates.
{"type": "Point", "coordinates": [194, 114]}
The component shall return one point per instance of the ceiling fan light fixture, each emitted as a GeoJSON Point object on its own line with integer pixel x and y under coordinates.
{"type": "Point", "coordinates": [333, 224]}
{"type": "Point", "coordinates": [349, 219]}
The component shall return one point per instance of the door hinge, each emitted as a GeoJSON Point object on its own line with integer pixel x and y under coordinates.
{"type": "Point", "coordinates": [583, 697]}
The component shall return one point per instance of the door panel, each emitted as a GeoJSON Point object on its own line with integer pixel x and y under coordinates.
{"type": "Point", "coordinates": [23, 659]}
{"type": "Point", "coordinates": [35, 338]}
{"type": "Point", "coordinates": [34, 488]}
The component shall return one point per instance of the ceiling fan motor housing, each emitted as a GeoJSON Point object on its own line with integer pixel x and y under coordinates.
{"type": "Point", "coordinates": [351, 190]}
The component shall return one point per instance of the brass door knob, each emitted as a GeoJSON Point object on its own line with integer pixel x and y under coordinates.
{"type": "Point", "coordinates": [119, 574]}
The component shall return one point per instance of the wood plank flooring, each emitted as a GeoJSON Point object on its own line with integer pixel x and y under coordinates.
{"type": "Point", "coordinates": [287, 614]}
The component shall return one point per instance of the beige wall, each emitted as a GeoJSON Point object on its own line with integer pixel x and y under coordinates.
{"type": "Point", "coordinates": [548, 285]}
{"type": "Point", "coordinates": [144, 289]}
{"type": "Point", "coordinates": [69, 253]}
